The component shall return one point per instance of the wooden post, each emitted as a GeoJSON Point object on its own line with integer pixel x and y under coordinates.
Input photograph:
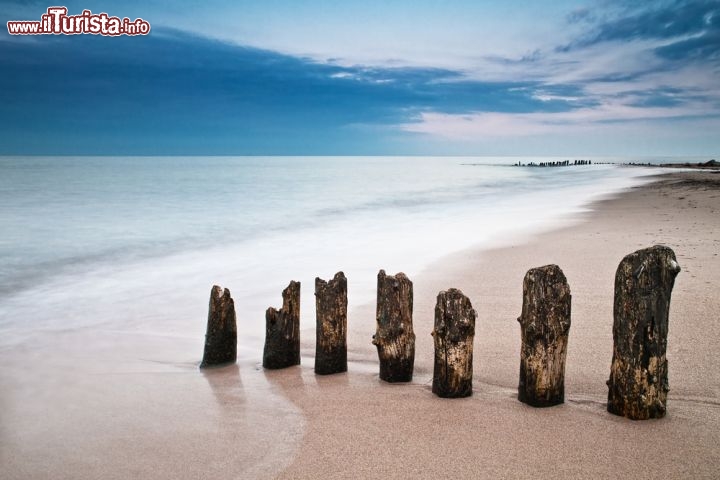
{"type": "Point", "coordinates": [331, 315]}
{"type": "Point", "coordinates": [221, 334]}
{"type": "Point", "coordinates": [544, 329]}
{"type": "Point", "coordinates": [638, 382]}
{"type": "Point", "coordinates": [454, 333]}
{"type": "Point", "coordinates": [282, 331]}
{"type": "Point", "coordinates": [394, 337]}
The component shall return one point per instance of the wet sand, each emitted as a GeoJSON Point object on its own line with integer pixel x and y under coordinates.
{"type": "Point", "coordinates": [360, 427]}
{"type": "Point", "coordinates": [124, 404]}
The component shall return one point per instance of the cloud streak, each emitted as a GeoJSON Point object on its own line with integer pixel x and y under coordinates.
{"type": "Point", "coordinates": [171, 89]}
{"type": "Point", "coordinates": [617, 66]}
{"type": "Point", "coordinates": [686, 30]}
{"type": "Point", "coordinates": [636, 66]}
{"type": "Point", "coordinates": [494, 125]}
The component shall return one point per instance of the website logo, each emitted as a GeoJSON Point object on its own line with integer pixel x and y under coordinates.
{"type": "Point", "coordinates": [57, 22]}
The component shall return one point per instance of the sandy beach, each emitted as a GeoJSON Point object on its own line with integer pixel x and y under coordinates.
{"type": "Point", "coordinates": [117, 404]}
{"type": "Point", "coordinates": [358, 426]}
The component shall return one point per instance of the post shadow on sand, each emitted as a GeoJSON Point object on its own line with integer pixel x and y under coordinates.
{"type": "Point", "coordinates": [226, 384]}
{"type": "Point", "coordinates": [299, 380]}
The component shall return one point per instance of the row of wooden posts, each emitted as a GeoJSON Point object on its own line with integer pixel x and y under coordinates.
{"type": "Point", "coordinates": [638, 383]}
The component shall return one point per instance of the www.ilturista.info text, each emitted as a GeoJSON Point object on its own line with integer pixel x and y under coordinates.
{"type": "Point", "coordinates": [57, 22]}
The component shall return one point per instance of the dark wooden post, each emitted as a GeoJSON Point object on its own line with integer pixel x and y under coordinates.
{"type": "Point", "coordinates": [221, 334]}
{"type": "Point", "coordinates": [394, 337]}
{"type": "Point", "coordinates": [544, 329]}
{"type": "Point", "coordinates": [638, 382]}
{"type": "Point", "coordinates": [454, 333]}
{"type": "Point", "coordinates": [282, 331]}
{"type": "Point", "coordinates": [331, 315]}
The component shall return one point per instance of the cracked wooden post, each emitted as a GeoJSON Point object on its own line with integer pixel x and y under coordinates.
{"type": "Point", "coordinates": [454, 333]}
{"type": "Point", "coordinates": [282, 331]}
{"type": "Point", "coordinates": [638, 382]}
{"type": "Point", "coordinates": [544, 329]}
{"type": "Point", "coordinates": [394, 337]}
{"type": "Point", "coordinates": [221, 334]}
{"type": "Point", "coordinates": [331, 329]}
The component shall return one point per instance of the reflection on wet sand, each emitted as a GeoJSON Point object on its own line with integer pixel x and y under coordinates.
{"type": "Point", "coordinates": [226, 384]}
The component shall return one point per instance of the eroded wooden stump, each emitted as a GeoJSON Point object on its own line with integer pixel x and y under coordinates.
{"type": "Point", "coordinates": [544, 329]}
{"type": "Point", "coordinates": [331, 329]}
{"type": "Point", "coordinates": [638, 382]}
{"type": "Point", "coordinates": [282, 331]}
{"type": "Point", "coordinates": [221, 334]}
{"type": "Point", "coordinates": [454, 333]}
{"type": "Point", "coordinates": [394, 336]}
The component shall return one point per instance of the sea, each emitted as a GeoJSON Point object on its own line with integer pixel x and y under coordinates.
{"type": "Point", "coordinates": [136, 243]}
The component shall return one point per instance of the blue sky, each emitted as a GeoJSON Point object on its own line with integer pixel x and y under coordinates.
{"type": "Point", "coordinates": [371, 77]}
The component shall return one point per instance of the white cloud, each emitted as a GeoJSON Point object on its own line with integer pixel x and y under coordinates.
{"type": "Point", "coordinates": [487, 125]}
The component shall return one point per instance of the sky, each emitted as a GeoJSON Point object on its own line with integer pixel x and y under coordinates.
{"type": "Point", "coordinates": [422, 77]}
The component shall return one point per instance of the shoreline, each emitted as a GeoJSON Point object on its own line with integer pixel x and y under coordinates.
{"type": "Point", "coordinates": [168, 418]}
{"type": "Point", "coordinates": [358, 426]}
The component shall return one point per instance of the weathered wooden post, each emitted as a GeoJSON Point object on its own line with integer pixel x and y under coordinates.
{"type": "Point", "coordinates": [282, 331]}
{"type": "Point", "coordinates": [331, 329]}
{"type": "Point", "coordinates": [394, 337]}
{"type": "Point", "coordinates": [544, 329]}
{"type": "Point", "coordinates": [454, 333]}
{"type": "Point", "coordinates": [638, 382]}
{"type": "Point", "coordinates": [221, 334]}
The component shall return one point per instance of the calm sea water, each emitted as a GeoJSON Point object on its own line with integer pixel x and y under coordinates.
{"type": "Point", "coordinates": [136, 243]}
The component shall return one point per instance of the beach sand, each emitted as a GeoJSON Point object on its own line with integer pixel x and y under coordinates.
{"type": "Point", "coordinates": [115, 404]}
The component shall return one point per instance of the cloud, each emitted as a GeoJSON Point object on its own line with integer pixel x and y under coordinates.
{"type": "Point", "coordinates": [690, 29]}
{"type": "Point", "coordinates": [484, 125]}
{"type": "Point", "coordinates": [639, 63]}
{"type": "Point", "coordinates": [581, 15]}
{"type": "Point", "coordinates": [172, 92]}
{"type": "Point", "coordinates": [529, 58]}
{"type": "Point", "coordinates": [178, 93]}
{"type": "Point", "coordinates": [705, 47]}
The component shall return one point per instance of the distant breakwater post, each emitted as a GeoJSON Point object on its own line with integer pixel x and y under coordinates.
{"type": "Point", "coordinates": [453, 335]}
{"type": "Point", "coordinates": [331, 326]}
{"type": "Point", "coordinates": [282, 331]}
{"type": "Point", "coordinates": [394, 336]}
{"type": "Point", "coordinates": [221, 334]}
{"type": "Point", "coordinates": [638, 384]}
{"type": "Point", "coordinates": [562, 163]}
{"type": "Point", "coordinates": [544, 326]}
